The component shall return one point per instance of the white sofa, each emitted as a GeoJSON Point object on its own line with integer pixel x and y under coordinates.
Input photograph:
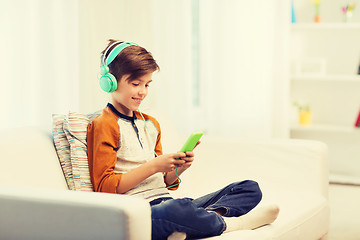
{"type": "Point", "coordinates": [35, 202]}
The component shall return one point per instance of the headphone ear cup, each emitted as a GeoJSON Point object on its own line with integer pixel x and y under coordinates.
{"type": "Point", "coordinates": [108, 83]}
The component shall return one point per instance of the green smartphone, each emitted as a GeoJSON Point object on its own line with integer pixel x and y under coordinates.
{"type": "Point", "coordinates": [192, 141]}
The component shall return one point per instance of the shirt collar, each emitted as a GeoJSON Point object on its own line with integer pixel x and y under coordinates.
{"type": "Point", "coordinates": [119, 114]}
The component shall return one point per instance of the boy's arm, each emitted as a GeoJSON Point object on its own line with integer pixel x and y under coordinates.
{"type": "Point", "coordinates": [163, 163]}
{"type": "Point", "coordinates": [102, 142]}
{"type": "Point", "coordinates": [134, 177]}
{"type": "Point", "coordinates": [170, 179]}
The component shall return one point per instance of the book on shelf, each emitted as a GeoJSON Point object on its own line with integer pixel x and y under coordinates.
{"type": "Point", "coordinates": [357, 122]}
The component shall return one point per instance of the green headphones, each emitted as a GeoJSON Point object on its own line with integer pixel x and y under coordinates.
{"type": "Point", "coordinates": [108, 82]}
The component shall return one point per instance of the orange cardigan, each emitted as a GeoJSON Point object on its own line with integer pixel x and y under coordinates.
{"type": "Point", "coordinates": [103, 143]}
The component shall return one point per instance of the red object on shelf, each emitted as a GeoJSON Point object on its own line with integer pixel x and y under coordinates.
{"type": "Point", "coordinates": [357, 123]}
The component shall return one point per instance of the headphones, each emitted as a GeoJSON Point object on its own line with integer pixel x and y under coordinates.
{"type": "Point", "coordinates": [108, 82]}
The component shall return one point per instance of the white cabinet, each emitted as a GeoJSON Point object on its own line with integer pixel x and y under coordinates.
{"type": "Point", "coordinates": [325, 59]}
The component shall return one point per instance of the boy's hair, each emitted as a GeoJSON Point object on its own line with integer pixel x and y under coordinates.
{"type": "Point", "coordinates": [133, 60]}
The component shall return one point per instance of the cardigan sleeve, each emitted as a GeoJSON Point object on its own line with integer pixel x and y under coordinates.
{"type": "Point", "coordinates": [102, 145]}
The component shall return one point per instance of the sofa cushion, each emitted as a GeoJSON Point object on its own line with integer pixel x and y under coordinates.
{"type": "Point", "coordinates": [70, 141]}
{"type": "Point", "coordinates": [303, 215]}
{"type": "Point", "coordinates": [28, 158]}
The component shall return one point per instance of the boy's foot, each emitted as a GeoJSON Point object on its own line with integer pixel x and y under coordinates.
{"type": "Point", "coordinates": [177, 236]}
{"type": "Point", "coordinates": [257, 217]}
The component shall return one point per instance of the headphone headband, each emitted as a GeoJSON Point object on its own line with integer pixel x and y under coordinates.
{"type": "Point", "coordinates": [116, 50]}
{"type": "Point", "coordinates": [108, 82]}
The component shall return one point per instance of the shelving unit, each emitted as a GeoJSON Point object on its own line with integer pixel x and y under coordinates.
{"type": "Point", "coordinates": [324, 26]}
{"type": "Point", "coordinates": [331, 87]}
{"type": "Point", "coordinates": [327, 78]}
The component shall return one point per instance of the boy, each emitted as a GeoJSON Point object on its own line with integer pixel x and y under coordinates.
{"type": "Point", "coordinates": [125, 157]}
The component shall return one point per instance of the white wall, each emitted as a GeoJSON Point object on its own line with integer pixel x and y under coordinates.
{"type": "Point", "coordinates": [281, 70]}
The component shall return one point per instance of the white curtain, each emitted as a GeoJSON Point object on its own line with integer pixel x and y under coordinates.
{"type": "Point", "coordinates": [239, 45]}
{"type": "Point", "coordinates": [39, 60]}
{"type": "Point", "coordinates": [239, 56]}
{"type": "Point", "coordinates": [172, 26]}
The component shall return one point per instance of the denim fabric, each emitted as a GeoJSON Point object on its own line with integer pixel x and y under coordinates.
{"type": "Point", "coordinates": [182, 215]}
{"type": "Point", "coordinates": [236, 199]}
{"type": "Point", "coordinates": [192, 216]}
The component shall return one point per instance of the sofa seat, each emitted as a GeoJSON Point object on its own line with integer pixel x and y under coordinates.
{"type": "Point", "coordinates": [302, 217]}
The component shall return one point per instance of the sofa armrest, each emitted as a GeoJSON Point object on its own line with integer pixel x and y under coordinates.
{"type": "Point", "coordinates": [27, 213]}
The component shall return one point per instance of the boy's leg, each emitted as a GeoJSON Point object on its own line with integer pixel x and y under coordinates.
{"type": "Point", "coordinates": [182, 215]}
{"type": "Point", "coordinates": [233, 200]}
{"type": "Point", "coordinates": [235, 203]}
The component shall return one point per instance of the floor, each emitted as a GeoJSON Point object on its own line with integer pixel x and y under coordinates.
{"type": "Point", "coordinates": [345, 212]}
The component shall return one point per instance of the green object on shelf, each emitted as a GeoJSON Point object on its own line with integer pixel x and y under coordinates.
{"type": "Point", "coordinates": [300, 107]}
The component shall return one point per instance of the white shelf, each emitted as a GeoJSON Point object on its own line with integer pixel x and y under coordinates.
{"type": "Point", "coordinates": [325, 26]}
{"type": "Point", "coordinates": [326, 78]}
{"type": "Point", "coordinates": [344, 179]}
{"type": "Point", "coordinates": [327, 128]}
{"type": "Point", "coordinates": [335, 48]}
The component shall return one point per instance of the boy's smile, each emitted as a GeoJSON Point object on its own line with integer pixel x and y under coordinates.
{"type": "Point", "coordinates": [138, 100]}
{"type": "Point", "coordinates": [130, 93]}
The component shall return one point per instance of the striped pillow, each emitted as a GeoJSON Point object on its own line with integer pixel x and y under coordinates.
{"type": "Point", "coordinates": [63, 148]}
{"type": "Point", "coordinates": [73, 137]}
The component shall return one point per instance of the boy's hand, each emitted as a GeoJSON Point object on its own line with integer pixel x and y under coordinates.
{"type": "Point", "coordinates": [168, 162]}
{"type": "Point", "coordinates": [189, 158]}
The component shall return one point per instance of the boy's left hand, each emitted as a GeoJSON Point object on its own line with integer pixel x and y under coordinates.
{"type": "Point", "coordinates": [188, 160]}
{"type": "Point", "coordinates": [190, 157]}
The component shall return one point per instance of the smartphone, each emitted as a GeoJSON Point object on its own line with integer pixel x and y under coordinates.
{"type": "Point", "coordinates": [192, 141]}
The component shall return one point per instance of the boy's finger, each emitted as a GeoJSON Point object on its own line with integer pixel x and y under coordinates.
{"type": "Point", "coordinates": [188, 159]}
{"type": "Point", "coordinates": [189, 154]}
{"type": "Point", "coordinates": [179, 155]}
{"type": "Point", "coordinates": [179, 162]}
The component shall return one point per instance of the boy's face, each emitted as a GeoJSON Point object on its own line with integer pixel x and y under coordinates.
{"type": "Point", "coordinates": [129, 94]}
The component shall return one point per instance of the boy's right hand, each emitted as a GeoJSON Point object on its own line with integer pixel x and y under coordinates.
{"type": "Point", "coordinates": [168, 162]}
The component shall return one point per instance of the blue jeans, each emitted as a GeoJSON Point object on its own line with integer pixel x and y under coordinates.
{"type": "Point", "coordinates": [192, 217]}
